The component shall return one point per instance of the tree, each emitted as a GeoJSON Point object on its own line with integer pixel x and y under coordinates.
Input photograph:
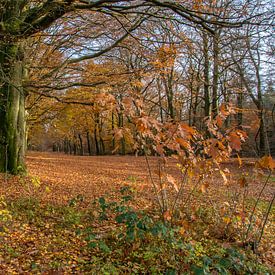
{"type": "Point", "coordinates": [22, 20]}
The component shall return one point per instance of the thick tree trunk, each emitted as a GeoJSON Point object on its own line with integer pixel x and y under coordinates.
{"type": "Point", "coordinates": [12, 110]}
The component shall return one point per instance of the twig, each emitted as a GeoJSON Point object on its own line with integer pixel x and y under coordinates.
{"type": "Point", "coordinates": [255, 206]}
{"type": "Point", "coordinates": [265, 220]}
{"type": "Point", "coordinates": [180, 190]}
{"type": "Point", "coordinates": [153, 183]}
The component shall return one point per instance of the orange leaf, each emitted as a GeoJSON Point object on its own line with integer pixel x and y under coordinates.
{"type": "Point", "coordinates": [172, 181]}
{"type": "Point", "coordinates": [227, 220]}
{"type": "Point", "coordinates": [167, 215]}
{"type": "Point", "coordinates": [159, 149]}
{"type": "Point", "coordinates": [219, 121]}
{"type": "Point", "coordinates": [225, 180]}
{"type": "Point", "coordinates": [267, 162]}
{"type": "Point", "coordinates": [182, 142]}
{"type": "Point", "coordinates": [239, 160]}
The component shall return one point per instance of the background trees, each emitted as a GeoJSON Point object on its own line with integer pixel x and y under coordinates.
{"type": "Point", "coordinates": [177, 59]}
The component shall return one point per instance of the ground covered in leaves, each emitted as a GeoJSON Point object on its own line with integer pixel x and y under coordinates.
{"type": "Point", "coordinates": [98, 215]}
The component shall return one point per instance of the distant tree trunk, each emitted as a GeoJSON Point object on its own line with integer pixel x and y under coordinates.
{"type": "Point", "coordinates": [70, 147]}
{"type": "Point", "coordinates": [263, 139]}
{"type": "Point", "coordinates": [101, 141]}
{"type": "Point", "coordinates": [240, 107]}
{"type": "Point", "coordinates": [195, 106]}
{"type": "Point", "coordinates": [160, 101]}
{"type": "Point", "coordinates": [65, 146]}
{"type": "Point", "coordinates": [81, 145]}
{"type": "Point", "coordinates": [12, 109]}
{"type": "Point", "coordinates": [190, 110]}
{"type": "Point", "coordinates": [122, 140]}
{"type": "Point", "coordinates": [169, 94]}
{"type": "Point", "coordinates": [113, 134]}
{"type": "Point", "coordinates": [75, 146]}
{"type": "Point", "coordinates": [215, 73]}
{"type": "Point", "coordinates": [206, 69]}
{"type": "Point", "coordinates": [102, 146]}
{"type": "Point", "coordinates": [88, 137]}
{"type": "Point", "coordinates": [97, 149]}
{"type": "Point", "coordinates": [263, 148]}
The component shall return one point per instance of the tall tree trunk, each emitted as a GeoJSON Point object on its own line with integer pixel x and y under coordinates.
{"type": "Point", "coordinates": [190, 110]}
{"type": "Point", "coordinates": [113, 134]}
{"type": "Point", "coordinates": [81, 145]}
{"type": "Point", "coordinates": [168, 84]}
{"type": "Point", "coordinates": [263, 139]}
{"type": "Point", "coordinates": [195, 107]}
{"type": "Point", "coordinates": [97, 149]}
{"type": "Point", "coordinates": [122, 140]}
{"type": "Point", "coordinates": [206, 76]}
{"type": "Point", "coordinates": [240, 107]}
{"type": "Point", "coordinates": [89, 143]}
{"type": "Point", "coordinates": [101, 141]}
{"type": "Point", "coordinates": [215, 74]}
{"type": "Point", "coordinates": [12, 109]}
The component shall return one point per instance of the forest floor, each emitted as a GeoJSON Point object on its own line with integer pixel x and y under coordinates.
{"type": "Point", "coordinates": [48, 211]}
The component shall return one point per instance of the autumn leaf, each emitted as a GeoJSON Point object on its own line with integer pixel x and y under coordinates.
{"type": "Point", "coordinates": [239, 160]}
{"type": "Point", "coordinates": [172, 181]}
{"type": "Point", "coordinates": [159, 149]}
{"type": "Point", "coordinates": [204, 187]}
{"type": "Point", "coordinates": [118, 134]}
{"type": "Point", "coordinates": [267, 162]}
{"type": "Point", "coordinates": [235, 141]}
{"type": "Point", "coordinates": [243, 182]}
{"type": "Point", "coordinates": [219, 121]}
{"type": "Point", "coordinates": [227, 220]}
{"type": "Point", "coordinates": [225, 180]}
{"type": "Point", "coordinates": [167, 215]}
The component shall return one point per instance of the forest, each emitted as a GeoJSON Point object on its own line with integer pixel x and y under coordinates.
{"type": "Point", "coordinates": [137, 137]}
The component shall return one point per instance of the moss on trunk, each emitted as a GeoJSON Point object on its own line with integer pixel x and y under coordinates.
{"type": "Point", "coordinates": [12, 110]}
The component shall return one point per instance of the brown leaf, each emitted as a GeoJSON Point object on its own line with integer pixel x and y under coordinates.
{"type": "Point", "coordinates": [243, 182]}
{"type": "Point", "coordinates": [204, 187]}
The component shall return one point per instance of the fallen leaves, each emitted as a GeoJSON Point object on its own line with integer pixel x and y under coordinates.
{"type": "Point", "coordinates": [59, 178]}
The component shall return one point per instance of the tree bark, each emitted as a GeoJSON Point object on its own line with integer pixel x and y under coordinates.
{"type": "Point", "coordinates": [12, 109]}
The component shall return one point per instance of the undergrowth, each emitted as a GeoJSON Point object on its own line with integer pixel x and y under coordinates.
{"type": "Point", "coordinates": [112, 237]}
